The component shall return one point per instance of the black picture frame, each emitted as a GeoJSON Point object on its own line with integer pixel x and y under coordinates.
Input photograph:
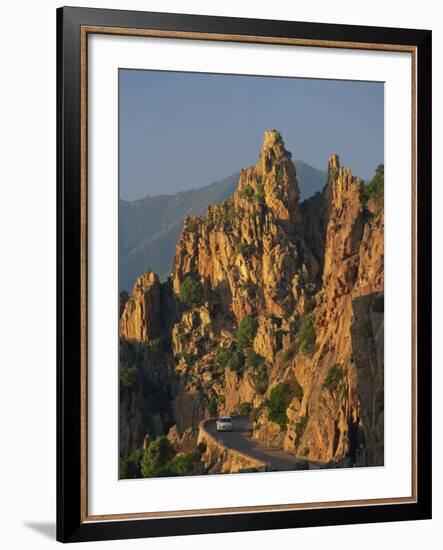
{"type": "Point", "coordinates": [71, 526]}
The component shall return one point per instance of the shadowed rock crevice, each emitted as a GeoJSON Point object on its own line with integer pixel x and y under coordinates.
{"type": "Point", "coordinates": [367, 333]}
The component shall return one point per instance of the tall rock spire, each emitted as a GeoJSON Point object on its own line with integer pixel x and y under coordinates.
{"type": "Point", "coordinates": [274, 179]}
{"type": "Point", "coordinates": [252, 244]}
{"type": "Point", "coordinates": [333, 164]}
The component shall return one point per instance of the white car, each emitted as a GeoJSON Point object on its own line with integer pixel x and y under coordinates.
{"type": "Point", "coordinates": [224, 424]}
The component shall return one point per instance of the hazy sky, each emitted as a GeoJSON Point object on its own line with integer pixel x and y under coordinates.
{"type": "Point", "coordinates": [185, 130]}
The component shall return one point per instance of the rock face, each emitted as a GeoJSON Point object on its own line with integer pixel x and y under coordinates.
{"type": "Point", "coordinates": [140, 318]}
{"type": "Point", "coordinates": [145, 394]}
{"type": "Point", "coordinates": [367, 332]}
{"type": "Point", "coordinates": [249, 252]}
{"type": "Point", "coordinates": [329, 423]}
{"type": "Point", "coordinates": [285, 319]}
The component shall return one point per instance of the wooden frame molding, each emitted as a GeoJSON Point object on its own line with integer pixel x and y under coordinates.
{"type": "Point", "coordinates": [74, 27]}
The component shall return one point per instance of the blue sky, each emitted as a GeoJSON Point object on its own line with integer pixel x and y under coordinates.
{"type": "Point", "coordinates": [181, 130]}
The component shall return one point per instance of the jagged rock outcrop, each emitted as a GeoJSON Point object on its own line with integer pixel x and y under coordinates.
{"type": "Point", "coordinates": [307, 278]}
{"type": "Point", "coordinates": [140, 320]}
{"type": "Point", "coordinates": [249, 252]}
{"type": "Point", "coordinates": [327, 424]}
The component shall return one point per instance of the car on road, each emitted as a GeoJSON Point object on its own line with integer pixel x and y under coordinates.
{"type": "Point", "coordinates": [224, 424]}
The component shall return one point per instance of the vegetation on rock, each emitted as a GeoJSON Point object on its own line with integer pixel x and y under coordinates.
{"type": "Point", "coordinates": [130, 465]}
{"type": "Point", "coordinates": [159, 460]}
{"type": "Point", "coordinates": [375, 188]}
{"type": "Point", "coordinates": [247, 329]}
{"type": "Point", "coordinates": [156, 457]}
{"type": "Point", "coordinates": [334, 377]}
{"type": "Point", "coordinates": [259, 196]}
{"type": "Point", "coordinates": [261, 379]}
{"type": "Point", "coordinates": [128, 376]}
{"type": "Point", "coordinates": [192, 226]}
{"type": "Point", "coordinates": [245, 408]}
{"type": "Point", "coordinates": [236, 362]}
{"type": "Point", "coordinates": [253, 359]}
{"type": "Point", "coordinates": [306, 335]}
{"type": "Point", "coordinates": [247, 192]}
{"type": "Point", "coordinates": [222, 358]}
{"type": "Point", "coordinates": [278, 402]}
{"type": "Point", "coordinates": [191, 292]}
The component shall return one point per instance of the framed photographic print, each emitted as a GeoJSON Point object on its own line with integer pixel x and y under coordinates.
{"type": "Point", "coordinates": [244, 307]}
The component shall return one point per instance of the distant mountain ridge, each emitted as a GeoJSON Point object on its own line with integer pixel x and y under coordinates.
{"type": "Point", "coordinates": [149, 228]}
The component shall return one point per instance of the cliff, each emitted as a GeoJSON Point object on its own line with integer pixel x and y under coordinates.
{"type": "Point", "coordinates": [330, 421]}
{"type": "Point", "coordinates": [274, 308]}
{"type": "Point", "coordinates": [139, 319]}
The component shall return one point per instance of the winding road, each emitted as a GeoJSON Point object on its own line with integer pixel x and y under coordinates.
{"type": "Point", "coordinates": [241, 440]}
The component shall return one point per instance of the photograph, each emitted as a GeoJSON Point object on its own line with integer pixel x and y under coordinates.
{"type": "Point", "coordinates": [250, 273]}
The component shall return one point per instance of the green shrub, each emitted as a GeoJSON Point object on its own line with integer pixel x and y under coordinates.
{"type": "Point", "coordinates": [261, 379]}
{"type": "Point", "coordinates": [375, 188]}
{"type": "Point", "coordinates": [306, 335]}
{"type": "Point", "coordinates": [186, 356]}
{"type": "Point", "coordinates": [182, 465]}
{"type": "Point", "coordinates": [153, 346]}
{"type": "Point", "coordinates": [305, 451]}
{"type": "Point", "coordinates": [191, 292]}
{"type": "Point", "coordinates": [130, 465]}
{"type": "Point", "coordinates": [218, 216]}
{"type": "Point", "coordinates": [247, 192]}
{"type": "Point", "coordinates": [278, 403]}
{"type": "Point", "coordinates": [259, 196]}
{"type": "Point", "coordinates": [229, 210]}
{"type": "Point", "coordinates": [247, 329]}
{"type": "Point", "coordinates": [253, 359]}
{"type": "Point", "coordinates": [245, 408]}
{"type": "Point", "coordinates": [179, 466]}
{"type": "Point", "coordinates": [128, 376]}
{"type": "Point", "coordinates": [222, 358]}
{"type": "Point", "coordinates": [334, 377]}
{"type": "Point", "coordinates": [236, 362]}
{"type": "Point", "coordinates": [161, 462]}
{"type": "Point", "coordinates": [192, 226]}
{"type": "Point", "coordinates": [156, 457]}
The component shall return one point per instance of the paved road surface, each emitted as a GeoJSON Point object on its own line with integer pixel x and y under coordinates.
{"type": "Point", "coordinates": [241, 440]}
